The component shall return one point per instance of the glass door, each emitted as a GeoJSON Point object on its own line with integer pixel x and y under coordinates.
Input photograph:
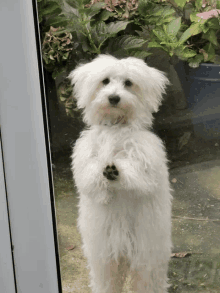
{"type": "Point", "coordinates": [27, 174]}
{"type": "Point", "coordinates": [61, 35]}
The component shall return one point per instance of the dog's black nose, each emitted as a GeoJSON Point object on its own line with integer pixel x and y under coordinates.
{"type": "Point", "coordinates": [113, 100]}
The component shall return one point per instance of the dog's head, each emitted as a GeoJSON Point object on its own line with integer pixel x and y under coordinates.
{"type": "Point", "coordinates": [113, 91]}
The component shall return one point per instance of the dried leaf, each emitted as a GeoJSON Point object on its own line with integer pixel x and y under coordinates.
{"type": "Point", "coordinates": [181, 254]}
{"type": "Point", "coordinates": [71, 247]}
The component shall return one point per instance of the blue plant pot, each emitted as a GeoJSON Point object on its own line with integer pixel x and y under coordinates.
{"type": "Point", "coordinates": [202, 90]}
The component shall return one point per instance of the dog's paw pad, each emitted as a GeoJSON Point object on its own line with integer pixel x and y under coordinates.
{"type": "Point", "coordinates": [111, 172]}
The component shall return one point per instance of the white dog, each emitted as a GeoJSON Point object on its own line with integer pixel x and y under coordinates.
{"type": "Point", "coordinates": [120, 170]}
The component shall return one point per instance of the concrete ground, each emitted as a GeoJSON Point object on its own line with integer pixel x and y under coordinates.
{"type": "Point", "coordinates": [195, 262]}
{"type": "Point", "coordinates": [196, 228]}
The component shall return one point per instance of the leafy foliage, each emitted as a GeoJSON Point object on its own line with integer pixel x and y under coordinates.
{"type": "Point", "coordinates": [56, 47]}
{"type": "Point", "coordinates": [185, 28]}
{"type": "Point", "coordinates": [121, 9]}
{"type": "Point", "coordinates": [95, 28]}
{"type": "Point", "coordinates": [77, 31]}
{"type": "Point", "coordinates": [50, 14]}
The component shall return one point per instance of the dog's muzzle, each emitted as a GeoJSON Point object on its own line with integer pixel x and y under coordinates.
{"type": "Point", "coordinates": [114, 100]}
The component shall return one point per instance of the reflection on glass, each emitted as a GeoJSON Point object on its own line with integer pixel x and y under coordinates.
{"type": "Point", "coordinates": [188, 122]}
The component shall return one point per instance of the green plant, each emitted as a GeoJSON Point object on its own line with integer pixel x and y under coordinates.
{"type": "Point", "coordinates": [56, 42]}
{"type": "Point", "coordinates": [188, 29]}
{"type": "Point", "coordinates": [50, 14]}
{"type": "Point", "coordinates": [120, 9]}
{"type": "Point", "coordinates": [77, 31]}
{"type": "Point", "coordinates": [97, 30]}
{"type": "Point", "coordinates": [93, 29]}
{"type": "Point", "coordinates": [56, 47]}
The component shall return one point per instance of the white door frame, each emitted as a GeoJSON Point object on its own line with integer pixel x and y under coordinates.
{"type": "Point", "coordinates": [27, 162]}
{"type": "Point", "coordinates": [7, 283]}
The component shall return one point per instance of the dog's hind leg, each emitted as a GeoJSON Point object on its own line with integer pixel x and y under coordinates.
{"type": "Point", "coordinates": [145, 281]}
{"type": "Point", "coordinates": [108, 277]}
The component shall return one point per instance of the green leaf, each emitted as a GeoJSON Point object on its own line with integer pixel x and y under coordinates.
{"type": "Point", "coordinates": [173, 39]}
{"type": "Point", "coordinates": [115, 27]}
{"type": "Point", "coordinates": [168, 11]}
{"type": "Point", "coordinates": [180, 3]}
{"type": "Point", "coordinates": [195, 61]}
{"type": "Point", "coordinates": [217, 59]}
{"type": "Point", "coordinates": [211, 36]}
{"type": "Point", "coordinates": [65, 55]}
{"type": "Point", "coordinates": [174, 26]}
{"type": "Point", "coordinates": [205, 28]}
{"type": "Point", "coordinates": [130, 42]}
{"type": "Point", "coordinates": [163, 11]}
{"type": "Point", "coordinates": [185, 53]}
{"type": "Point", "coordinates": [158, 11]}
{"type": "Point", "coordinates": [84, 2]}
{"type": "Point", "coordinates": [164, 20]}
{"type": "Point", "coordinates": [58, 21]}
{"type": "Point", "coordinates": [104, 15]}
{"type": "Point", "coordinates": [198, 4]}
{"type": "Point", "coordinates": [94, 9]}
{"type": "Point", "coordinates": [213, 23]}
{"type": "Point", "coordinates": [195, 18]}
{"type": "Point", "coordinates": [50, 8]}
{"type": "Point", "coordinates": [157, 45]}
{"type": "Point", "coordinates": [58, 71]}
{"type": "Point", "coordinates": [210, 50]}
{"type": "Point", "coordinates": [193, 30]}
{"type": "Point", "coordinates": [45, 58]}
{"type": "Point", "coordinates": [140, 54]}
{"type": "Point", "coordinates": [51, 57]}
{"type": "Point", "coordinates": [121, 45]}
{"type": "Point", "coordinates": [83, 41]}
{"type": "Point", "coordinates": [99, 33]}
{"type": "Point", "coordinates": [71, 9]}
{"type": "Point", "coordinates": [97, 6]}
{"type": "Point", "coordinates": [154, 45]}
{"type": "Point", "coordinates": [63, 99]}
{"type": "Point", "coordinates": [160, 34]}
{"type": "Point", "coordinates": [72, 4]}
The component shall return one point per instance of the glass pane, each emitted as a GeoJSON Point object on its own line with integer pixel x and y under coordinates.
{"type": "Point", "coordinates": [167, 36]}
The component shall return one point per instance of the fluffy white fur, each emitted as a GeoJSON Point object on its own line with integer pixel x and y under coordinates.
{"type": "Point", "coordinates": [125, 223]}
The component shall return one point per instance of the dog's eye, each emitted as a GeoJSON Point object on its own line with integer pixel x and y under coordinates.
{"type": "Point", "coordinates": [128, 82]}
{"type": "Point", "coordinates": [106, 81]}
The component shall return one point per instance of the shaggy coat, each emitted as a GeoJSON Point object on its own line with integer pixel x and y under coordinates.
{"type": "Point", "coordinates": [120, 171]}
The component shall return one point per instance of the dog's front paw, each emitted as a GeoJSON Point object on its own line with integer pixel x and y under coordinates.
{"type": "Point", "coordinates": [111, 172]}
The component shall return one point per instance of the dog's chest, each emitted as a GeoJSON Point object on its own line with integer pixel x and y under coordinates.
{"type": "Point", "coordinates": [110, 144]}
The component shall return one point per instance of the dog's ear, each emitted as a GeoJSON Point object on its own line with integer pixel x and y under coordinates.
{"type": "Point", "coordinates": [156, 87]}
{"type": "Point", "coordinates": [78, 78]}
{"type": "Point", "coordinates": [151, 81]}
